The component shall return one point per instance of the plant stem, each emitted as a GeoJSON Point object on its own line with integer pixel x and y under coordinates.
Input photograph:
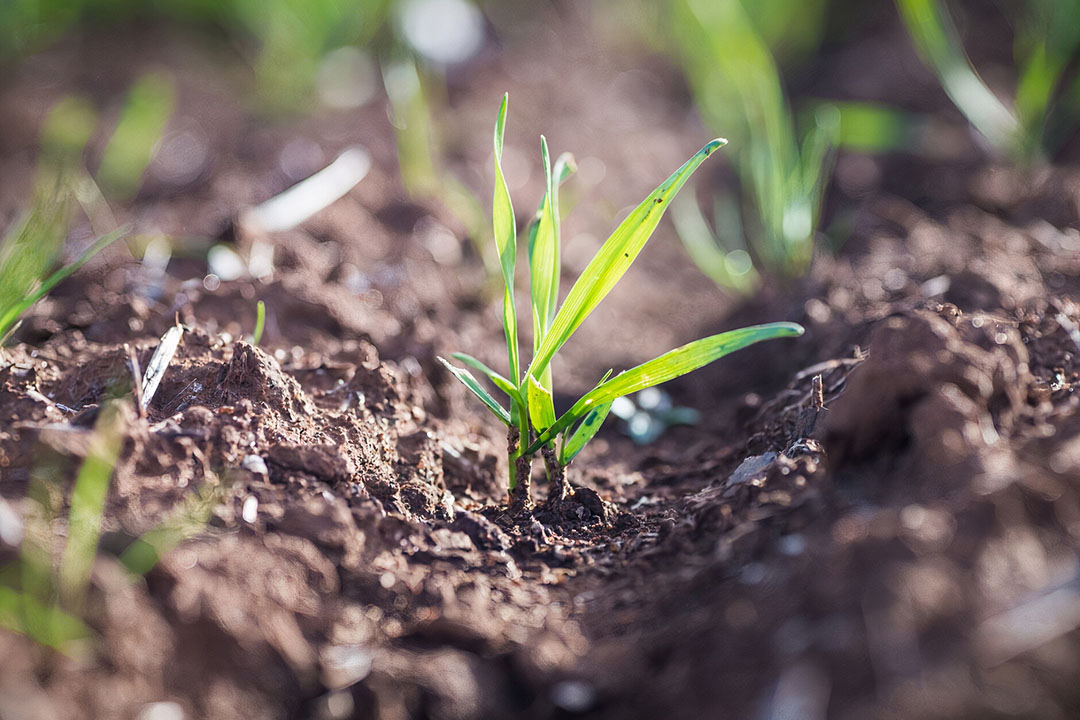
{"type": "Point", "coordinates": [520, 469]}
{"type": "Point", "coordinates": [520, 498]}
{"type": "Point", "coordinates": [513, 449]}
{"type": "Point", "coordinates": [560, 487]}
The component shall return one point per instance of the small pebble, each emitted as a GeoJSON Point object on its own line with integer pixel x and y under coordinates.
{"type": "Point", "coordinates": [11, 525]}
{"type": "Point", "coordinates": [254, 463]}
{"type": "Point", "coordinates": [164, 710]}
{"type": "Point", "coordinates": [251, 509]}
{"type": "Point", "coordinates": [573, 695]}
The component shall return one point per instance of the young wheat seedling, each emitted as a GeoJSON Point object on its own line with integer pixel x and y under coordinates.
{"type": "Point", "coordinates": [533, 426]}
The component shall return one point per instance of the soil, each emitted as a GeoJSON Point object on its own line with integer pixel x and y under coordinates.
{"type": "Point", "coordinates": [879, 519]}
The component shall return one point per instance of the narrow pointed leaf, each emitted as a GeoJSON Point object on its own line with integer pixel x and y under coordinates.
{"type": "Point", "coordinates": [565, 166]}
{"type": "Point", "coordinates": [538, 333]}
{"type": "Point", "coordinates": [613, 259]}
{"type": "Point", "coordinates": [583, 433]}
{"type": "Point", "coordinates": [938, 42]}
{"type": "Point", "coordinates": [541, 406]}
{"type": "Point", "coordinates": [545, 225]}
{"type": "Point", "coordinates": [478, 390]}
{"type": "Point", "coordinates": [544, 255]}
{"type": "Point", "coordinates": [45, 623]}
{"type": "Point", "coordinates": [496, 379]}
{"type": "Point", "coordinates": [505, 226]}
{"type": "Point", "coordinates": [668, 366]}
{"type": "Point", "coordinates": [11, 314]}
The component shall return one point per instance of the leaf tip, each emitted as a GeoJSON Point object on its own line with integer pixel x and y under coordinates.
{"type": "Point", "coordinates": [500, 126]}
{"type": "Point", "coordinates": [569, 160]}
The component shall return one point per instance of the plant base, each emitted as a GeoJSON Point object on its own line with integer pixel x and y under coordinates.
{"type": "Point", "coordinates": [520, 496]}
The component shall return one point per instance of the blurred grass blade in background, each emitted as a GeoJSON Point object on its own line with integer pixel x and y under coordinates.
{"type": "Point", "coordinates": [44, 623]}
{"type": "Point", "coordinates": [937, 41]}
{"type": "Point", "coordinates": [875, 128]}
{"type": "Point", "coordinates": [18, 274]}
{"type": "Point", "coordinates": [737, 88]}
{"type": "Point", "coordinates": [732, 269]}
{"type": "Point", "coordinates": [149, 106]}
{"type": "Point", "coordinates": [188, 520]}
{"type": "Point", "coordinates": [1046, 44]}
{"type": "Point", "coordinates": [1046, 37]}
{"type": "Point", "coordinates": [88, 505]}
{"type": "Point", "coordinates": [418, 157]}
{"type": "Point", "coordinates": [65, 132]}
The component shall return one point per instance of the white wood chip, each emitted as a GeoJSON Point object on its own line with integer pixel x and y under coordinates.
{"type": "Point", "coordinates": [160, 362]}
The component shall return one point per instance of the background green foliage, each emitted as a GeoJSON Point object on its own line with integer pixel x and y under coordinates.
{"type": "Point", "coordinates": [286, 38]}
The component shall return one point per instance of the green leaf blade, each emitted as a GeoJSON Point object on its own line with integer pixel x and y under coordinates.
{"type": "Point", "coordinates": [544, 254]}
{"type": "Point", "coordinates": [614, 258]}
{"type": "Point", "coordinates": [505, 227]}
{"type": "Point", "coordinates": [13, 313]}
{"type": "Point", "coordinates": [468, 380]}
{"type": "Point", "coordinates": [541, 406]}
{"type": "Point", "coordinates": [687, 358]}
{"type": "Point", "coordinates": [496, 379]}
{"type": "Point", "coordinates": [583, 433]}
{"type": "Point", "coordinates": [670, 365]}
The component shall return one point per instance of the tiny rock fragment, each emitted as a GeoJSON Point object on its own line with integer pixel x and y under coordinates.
{"type": "Point", "coordinates": [254, 463]}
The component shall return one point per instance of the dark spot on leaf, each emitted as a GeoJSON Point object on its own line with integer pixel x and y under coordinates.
{"type": "Point", "coordinates": [658, 200]}
{"type": "Point", "coordinates": [626, 255]}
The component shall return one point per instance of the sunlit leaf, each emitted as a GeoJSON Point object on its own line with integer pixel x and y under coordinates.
{"type": "Point", "coordinates": [613, 259]}
{"type": "Point", "coordinates": [583, 433]}
{"type": "Point", "coordinates": [496, 379]}
{"type": "Point", "coordinates": [505, 226]}
{"type": "Point", "coordinates": [9, 315]}
{"type": "Point", "coordinates": [544, 263]}
{"type": "Point", "coordinates": [478, 390]}
{"type": "Point", "coordinates": [544, 245]}
{"type": "Point", "coordinates": [668, 366]}
{"type": "Point", "coordinates": [541, 406]}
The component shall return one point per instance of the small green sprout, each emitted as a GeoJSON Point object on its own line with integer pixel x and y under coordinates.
{"type": "Point", "coordinates": [260, 322]}
{"type": "Point", "coordinates": [533, 425]}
